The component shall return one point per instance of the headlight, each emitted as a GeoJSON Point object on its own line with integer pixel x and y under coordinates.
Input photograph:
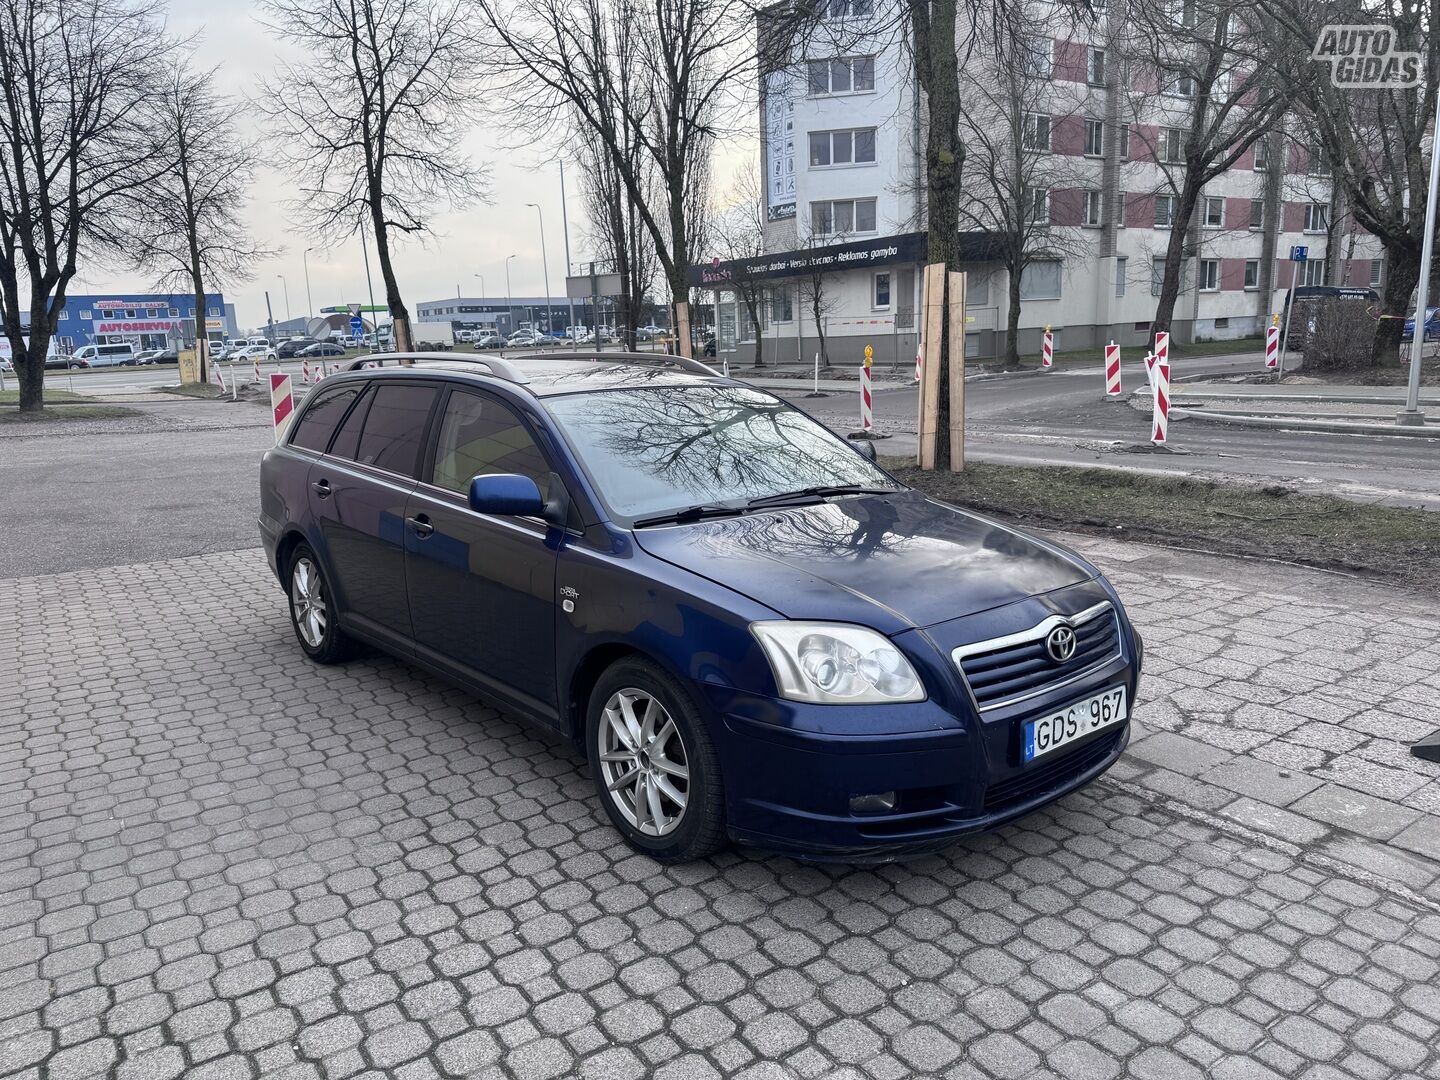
{"type": "Point", "coordinates": [836, 664]}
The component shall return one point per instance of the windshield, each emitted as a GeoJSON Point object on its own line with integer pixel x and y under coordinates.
{"type": "Point", "coordinates": [655, 450]}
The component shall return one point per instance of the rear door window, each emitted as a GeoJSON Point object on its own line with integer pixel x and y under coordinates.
{"type": "Point", "coordinates": [318, 422]}
{"type": "Point", "coordinates": [347, 439]}
{"type": "Point", "coordinates": [479, 436]}
{"type": "Point", "coordinates": [395, 427]}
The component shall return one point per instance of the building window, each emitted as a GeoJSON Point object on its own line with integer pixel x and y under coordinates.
{"type": "Point", "coordinates": [1124, 142]}
{"type": "Point", "coordinates": [1317, 163]}
{"type": "Point", "coordinates": [1094, 138]}
{"type": "Point", "coordinates": [1252, 274]}
{"type": "Point", "coordinates": [1164, 211]}
{"type": "Point", "coordinates": [1179, 86]}
{"type": "Point", "coordinates": [214, 313]}
{"type": "Point", "coordinates": [842, 9]}
{"type": "Point", "coordinates": [174, 312]}
{"type": "Point", "coordinates": [1314, 273]}
{"type": "Point", "coordinates": [1214, 212]}
{"type": "Point", "coordinates": [1257, 214]}
{"type": "Point", "coordinates": [1315, 217]}
{"type": "Point", "coordinates": [1093, 213]}
{"type": "Point", "coordinates": [1157, 274]}
{"type": "Point", "coordinates": [1037, 203]}
{"type": "Point", "coordinates": [1120, 209]}
{"type": "Point", "coordinates": [1095, 67]}
{"type": "Point", "coordinates": [880, 299]}
{"type": "Point", "coordinates": [87, 314]}
{"type": "Point", "coordinates": [1120, 265]}
{"type": "Point", "coordinates": [1040, 280]}
{"type": "Point", "coordinates": [64, 314]}
{"type": "Point", "coordinates": [1209, 275]}
{"type": "Point", "coordinates": [841, 216]}
{"type": "Point", "coordinates": [1035, 131]}
{"type": "Point", "coordinates": [842, 75]}
{"type": "Point", "coordinates": [1377, 273]}
{"type": "Point", "coordinates": [852, 146]}
{"type": "Point", "coordinates": [1039, 57]}
{"type": "Point", "coordinates": [1262, 155]}
{"type": "Point", "coordinates": [781, 310]}
{"type": "Point", "coordinates": [1172, 145]}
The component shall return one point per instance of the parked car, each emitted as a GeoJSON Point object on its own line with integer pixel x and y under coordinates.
{"type": "Point", "coordinates": [158, 356]}
{"type": "Point", "coordinates": [322, 348]}
{"type": "Point", "coordinates": [250, 353]}
{"type": "Point", "coordinates": [1432, 326]}
{"type": "Point", "coordinates": [526, 339]}
{"type": "Point", "coordinates": [62, 361]}
{"type": "Point", "coordinates": [293, 347]}
{"type": "Point", "coordinates": [120, 354]}
{"type": "Point", "coordinates": [489, 341]}
{"type": "Point", "coordinates": [796, 652]}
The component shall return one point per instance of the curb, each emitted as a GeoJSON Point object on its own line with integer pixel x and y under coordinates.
{"type": "Point", "coordinates": [1342, 399]}
{"type": "Point", "coordinates": [1331, 427]}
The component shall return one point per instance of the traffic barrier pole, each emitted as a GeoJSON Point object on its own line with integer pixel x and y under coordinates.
{"type": "Point", "coordinates": [919, 347]}
{"type": "Point", "coordinates": [1272, 343]}
{"type": "Point", "coordinates": [1112, 370]}
{"type": "Point", "coordinates": [1162, 347]}
{"type": "Point", "coordinates": [219, 376]}
{"type": "Point", "coordinates": [1047, 348]}
{"type": "Point", "coordinates": [1161, 413]}
{"type": "Point", "coordinates": [305, 372]}
{"type": "Point", "coordinates": [282, 404]}
{"type": "Point", "coordinates": [867, 408]}
{"type": "Point", "coordinates": [256, 377]}
{"type": "Point", "coordinates": [1150, 369]}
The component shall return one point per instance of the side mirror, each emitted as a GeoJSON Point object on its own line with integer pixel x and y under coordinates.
{"type": "Point", "coordinates": [866, 447]}
{"type": "Point", "coordinates": [506, 493]}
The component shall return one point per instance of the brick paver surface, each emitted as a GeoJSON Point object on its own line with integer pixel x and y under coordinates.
{"type": "Point", "coordinates": [217, 859]}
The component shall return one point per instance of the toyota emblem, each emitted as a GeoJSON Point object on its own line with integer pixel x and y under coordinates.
{"type": "Point", "coordinates": [1060, 644]}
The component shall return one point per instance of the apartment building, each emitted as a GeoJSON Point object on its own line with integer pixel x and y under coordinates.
{"type": "Point", "coordinates": [1067, 130]}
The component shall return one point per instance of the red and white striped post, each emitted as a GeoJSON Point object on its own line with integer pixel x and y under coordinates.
{"type": "Point", "coordinates": [1161, 414]}
{"type": "Point", "coordinates": [919, 347]}
{"type": "Point", "coordinates": [1047, 349]}
{"type": "Point", "coordinates": [1162, 347]}
{"type": "Point", "coordinates": [1112, 370]}
{"type": "Point", "coordinates": [282, 404]}
{"type": "Point", "coordinates": [1150, 368]}
{"type": "Point", "coordinates": [867, 405]}
{"type": "Point", "coordinates": [256, 377]}
{"type": "Point", "coordinates": [1272, 343]}
{"type": "Point", "coordinates": [219, 376]}
{"type": "Point", "coordinates": [305, 372]}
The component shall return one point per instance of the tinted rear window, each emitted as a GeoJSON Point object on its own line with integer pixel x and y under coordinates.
{"type": "Point", "coordinates": [319, 420]}
{"type": "Point", "coordinates": [395, 426]}
{"type": "Point", "coordinates": [347, 439]}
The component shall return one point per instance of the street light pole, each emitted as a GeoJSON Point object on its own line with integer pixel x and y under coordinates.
{"type": "Point", "coordinates": [309, 303]}
{"type": "Point", "coordinates": [286, 286]}
{"type": "Point", "coordinates": [544, 262]}
{"type": "Point", "coordinates": [509, 301]}
{"type": "Point", "coordinates": [565, 228]}
{"type": "Point", "coordinates": [365, 251]}
{"type": "Point", "coordinates": [1412, 416]}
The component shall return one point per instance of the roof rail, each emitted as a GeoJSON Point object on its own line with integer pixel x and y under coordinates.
{"type": "Point", "coordinates": [499, 367]}
{"type": "Point", "coordinates": [685, 363]}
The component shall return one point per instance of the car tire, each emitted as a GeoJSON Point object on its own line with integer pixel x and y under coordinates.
{"type": "Point", "coordinates": [75, 367]}
{"type": "Point", "coordinates": [679, 757]}
{"type": "Point", "coordinates": [312, 609]}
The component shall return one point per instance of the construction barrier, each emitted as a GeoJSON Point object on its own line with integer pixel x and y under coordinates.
{"type": "Point", "coordinates": [867, 406]}
{"type": "Point", "coordinates": [256, 377]}
{"type": "Point", "coordinates": [1162, 402]}
{"type": "Point", "coordinates": [1272, 346]}
{"type": "Point", "coordinates": [305, 372]}
{"type": "Point", "coordinates": [1150, 369]}
{"type": "Point", "coordinates": [919, 351]}
{"type": "Point", "coordinates": [1047, 349]}
{"type": "Point", "coordinates": [282, 405]}
{"type": "Point", "coordinates": [219, 376]}
{"type": "Point", "coordinates": [1112, 370]}
{"type": "Point", "coordinates": [1162, 347]}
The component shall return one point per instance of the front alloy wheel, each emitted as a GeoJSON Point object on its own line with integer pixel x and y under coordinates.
{"type": "Point", "coordinates": [312, 612]}
{"type": "Point", "coordinates": [644, 763]}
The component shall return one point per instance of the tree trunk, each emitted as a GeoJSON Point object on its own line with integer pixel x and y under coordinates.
{"type": "Point", "coordinates": [815, 309]}
{"type": "Point", "coordinates": [752, 305]}
{"type": "Point", "coordinates": [202, 339]}
{"type": "Point", "coordinates": [1171, 283]}
{"type": "Point", "coordinates": [394, 302]}
{"type": "Point", "coordinates": [1012, 321]}
{"type": "Point", "coordinates": [30, 370]}
{"type": "Point", "coordinates": [944, 160]}
{"type": "Point", "coordinates": [1402, 274]}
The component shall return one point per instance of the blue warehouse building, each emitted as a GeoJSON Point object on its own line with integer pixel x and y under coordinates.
{"type": "Point", "coordinates": [145, 320]}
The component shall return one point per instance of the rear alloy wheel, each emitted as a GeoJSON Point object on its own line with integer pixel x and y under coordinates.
{"type": "Point", "coordinates": [312, 612]}
{"type": "Point", "coordinates": [655, 768]}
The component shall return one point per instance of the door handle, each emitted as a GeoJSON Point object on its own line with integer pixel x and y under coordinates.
{"type": "Point", "coordinates": [421, 524]}
{"type": "Point", "coordinates": [321, 488]}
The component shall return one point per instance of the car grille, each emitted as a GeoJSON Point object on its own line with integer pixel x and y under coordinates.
{"type": "Point", "coordinates": [1016, 667]}
{"type": "Point", "coordinates": [1048, 775]}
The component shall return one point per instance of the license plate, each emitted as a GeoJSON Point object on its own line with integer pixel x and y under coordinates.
{"type": "Point", "coordinates": [1065, 726]}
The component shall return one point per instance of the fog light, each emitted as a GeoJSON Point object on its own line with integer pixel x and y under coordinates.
{"type": "Point", "coordinates": [882, 803]}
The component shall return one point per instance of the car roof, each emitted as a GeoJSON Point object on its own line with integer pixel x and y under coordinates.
{"type": "Point", "coordinates": [553, 374]}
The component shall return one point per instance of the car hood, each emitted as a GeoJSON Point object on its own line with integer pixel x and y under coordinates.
{"type": "Point", "coordinates": [888, 561]}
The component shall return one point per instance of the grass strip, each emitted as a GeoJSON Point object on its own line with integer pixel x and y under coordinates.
{"type": "Point", "coordinates": [1398, 545]}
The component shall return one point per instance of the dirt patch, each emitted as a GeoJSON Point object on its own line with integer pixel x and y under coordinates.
{"type": "Point", "coordinates": [64, 413]}
{"type": "Point", "coordinates": [1396, 545]}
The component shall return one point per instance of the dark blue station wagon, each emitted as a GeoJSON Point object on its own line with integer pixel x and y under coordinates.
{"type": "Point", "coordinates": [754, 632]}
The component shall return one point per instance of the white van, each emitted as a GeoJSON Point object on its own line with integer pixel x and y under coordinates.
{"type": "Point", "coordinates": [122, 355]}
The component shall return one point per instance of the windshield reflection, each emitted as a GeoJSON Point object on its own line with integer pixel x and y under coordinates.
{"type": "Point", "coordinates": [661, 449]}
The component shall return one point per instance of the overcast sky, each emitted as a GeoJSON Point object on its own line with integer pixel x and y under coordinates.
{"type": "Point", "coordinates": [465, 243]}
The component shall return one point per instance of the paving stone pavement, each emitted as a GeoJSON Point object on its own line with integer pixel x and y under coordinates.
{"type": "Point", "coordinates": [219, 860]}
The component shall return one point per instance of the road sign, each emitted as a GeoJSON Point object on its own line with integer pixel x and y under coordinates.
{"type": "Point", "coordinates": [1299, 253]}
{"type": "Point", "coordinates": [357, 326]}
{"type": "Point", "coordinates": [355, 310]}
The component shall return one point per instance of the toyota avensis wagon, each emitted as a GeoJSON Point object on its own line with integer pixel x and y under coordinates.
{"type": "Point", "coordinates": [754, 632]}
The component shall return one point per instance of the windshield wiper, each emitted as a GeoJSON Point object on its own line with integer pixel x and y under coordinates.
{"type": "Point", "coordinates": [820, 491]}
{"type": "Point", "coordinates": [690, 513]}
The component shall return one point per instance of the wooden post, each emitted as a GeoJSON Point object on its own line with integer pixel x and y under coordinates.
{"type": "Point", "coordinates": [955, 301]}
{"type": "Point", "coordinates": [933, 312]}
{"type": "Point", "coordinates": [682, 330]}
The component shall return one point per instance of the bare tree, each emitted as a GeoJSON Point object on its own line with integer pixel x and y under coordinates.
{"type": "Point", "coordinates": [738, 237]}
{"type": "Point", "coordinates": [667, 74]}
{"type": "Point", "coordinates": [1202, 79]}
{"type": "Point", "coordinates": [74, 124]}
{"type": "Point", "coordinates": [369, 124]}
{"type": "Point", "coordinates": [188, 224]}
{"type": "Point", "coordinates": [815, 294]}
{"type": "Point", "coordinates": [1376, 140]}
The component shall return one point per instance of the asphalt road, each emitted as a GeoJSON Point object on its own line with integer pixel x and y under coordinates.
{"type": "Point", "coordinates": [1061, 418]}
